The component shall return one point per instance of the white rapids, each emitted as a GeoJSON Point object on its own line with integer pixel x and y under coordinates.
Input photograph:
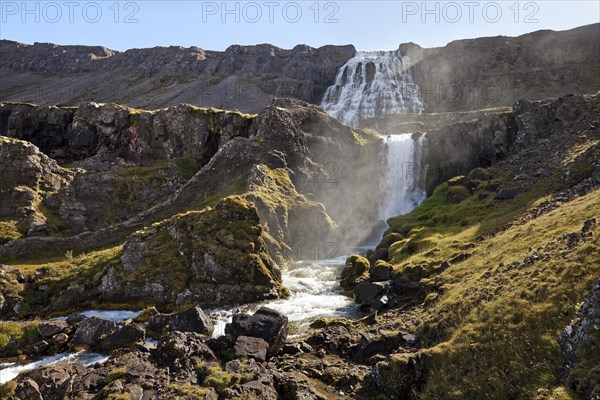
{"type": "Point", "coordinates": [10, 370]}
{"type": "Point", "coordinates": [314, 292]}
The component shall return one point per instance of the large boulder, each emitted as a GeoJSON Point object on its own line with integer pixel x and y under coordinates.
{"type": "Point", "coordinates": [214, 257]}
{"type": "Point", "coordinates": [126, 336]}
{"type": "Point", "coordinates": [265, 323]}
{"type": "Point", "coordinates": [191, 320]}
{"type": "Point", "coordinates": [355, 271]}
{"type": "Point", "coordinates": [91, 332]}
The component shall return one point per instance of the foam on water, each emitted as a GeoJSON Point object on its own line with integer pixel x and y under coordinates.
{"type": "Point", "coordinates": [10, 371]}
{"type": "Point", "coordinates": [314, 292]}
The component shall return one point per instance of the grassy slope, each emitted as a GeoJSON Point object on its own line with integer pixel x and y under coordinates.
{"type": "Point", "coordinates": [491, 322]}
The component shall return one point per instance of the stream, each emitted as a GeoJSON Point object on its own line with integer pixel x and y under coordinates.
{"type": "Point", "coordinates": [314, 292]}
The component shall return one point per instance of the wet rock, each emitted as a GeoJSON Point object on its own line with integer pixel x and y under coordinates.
{"type": "Point", "coordinates": [125, 336]}
{"type": "Point", "coordinates": [266, 324]}
{"type": "Point", "coordinates": [509, 193]}
{"type": "Point", "coordinates": [380, 302]}
{"type": "Point", "coordinates": [367, 292]}
{"type": "Point", "coordinates": [51, 328]}
{"type": "Point", "coordinates": [191, 320]}
{"type": "Point", "coordinates": [91, 332]}
{"type": "Point", "coordinates": [251, 347]}
{"type": "Point", "coordinates": [222, 347]}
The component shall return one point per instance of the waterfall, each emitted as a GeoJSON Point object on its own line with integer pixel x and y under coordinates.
{"type": "Point", "coordinates": [403, 175]}
{"type": "Point", "coordinates": [372, 83]}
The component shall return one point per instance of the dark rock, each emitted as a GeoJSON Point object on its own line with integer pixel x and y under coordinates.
{"type": "Point", "coordinates": [266, 324]}
{"type": "Point", "coordinates": [28, 390]}
{"type": "Point", "coordinates": [51, 328]}
{"type": "Point", "coordinates": [379, 254]}
{"type": "Point", "coordinates": [222, 347]}
{"type": "Point", "coordinates": [157, 323]}
{"type": "Point", "coordinates": [291, 349]}
{"type": "Point", "coordinates": [251, 347]}
{"type": "Point", "coordinates": [588, 225]}
{"type": "Point", "coordinates": [367, 292]}
{"type": "Point", "coordinates": [177, 348]}
{"type": "Point", "coordinates": [380, 302]}
{"type": "Point", "coordinates": [91, 332]}
{"type": "Point", "coordinates": [40, 347]}
{"type": "Point", "coordinates": [509, 193]}
{"type": "Point", "coordinates": [191, 320]}
{"type": "Point", "coordinates": [125, 336]}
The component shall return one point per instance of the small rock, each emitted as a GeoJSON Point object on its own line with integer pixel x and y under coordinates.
{"type": "Point", "coordinates": [60, 339]}
{"type": "Point", "coordinates": [380, 302]}
{"type": "Point", "coordinates": [29, 390]}
{"type": "Point", "coordinates": [321, 353]}
{"type": "Point", "coordinates": [40, 347]}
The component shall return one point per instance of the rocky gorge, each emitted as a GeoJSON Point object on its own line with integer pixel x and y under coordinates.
{"type": "Point", "coordinates": [486, 287]}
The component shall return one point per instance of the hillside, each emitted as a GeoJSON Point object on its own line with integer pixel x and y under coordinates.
{"type": "Point", "coordinates": [483, 282]}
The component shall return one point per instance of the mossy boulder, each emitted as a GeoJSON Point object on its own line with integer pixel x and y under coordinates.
{"type": "Point", "coordinates": [456, 194]}
{"type": "Point", "coordinates": [215, 256]}
{"type": "Point", "coordinates": [355, 271]}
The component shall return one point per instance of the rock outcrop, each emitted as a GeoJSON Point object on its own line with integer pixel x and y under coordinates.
{"type": "Point", "coordinates": [217, 256]}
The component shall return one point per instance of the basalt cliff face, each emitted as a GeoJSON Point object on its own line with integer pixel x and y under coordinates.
{"type": "Point", "coordinates": [464, 75]}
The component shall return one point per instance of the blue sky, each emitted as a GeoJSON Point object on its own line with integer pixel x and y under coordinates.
{"type": "Point", "coordinates": [214, 25]}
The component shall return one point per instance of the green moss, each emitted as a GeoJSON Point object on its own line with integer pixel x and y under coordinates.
{"type": "Point", "coordinates": [214, 376]}
{"type": "Point", "coordinates": [188, 391]}
{"type": "Point", "coordinates": [9, 231]}
{"type": "Point", "coordinates": [7, 389]}
{"type": "Point", "coordinates": [188, 167]}
{"type": "Point", "coordinates": [53, 221]}
{"type": "Point", "coordinates": [23, 333]}
{"type": "Point", "coordinates": [115, 374]}
{"type": "Point", "coordinates": [119, 396]}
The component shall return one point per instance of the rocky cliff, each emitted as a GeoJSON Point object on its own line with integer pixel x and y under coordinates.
{"type": "Point", "coordinates": [130, 169]}
{"type": "Point", "coordinates": [241, 77]}
{"type": "Point", "coordinates": [468, 74]}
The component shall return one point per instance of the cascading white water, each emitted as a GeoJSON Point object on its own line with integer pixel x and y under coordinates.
{"type": "Point", "coordinates": [314, 292]}
{"type": "Point", "coordinates": [402, 175]}
{"type": "Point", "coordinates": [372, 83]}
